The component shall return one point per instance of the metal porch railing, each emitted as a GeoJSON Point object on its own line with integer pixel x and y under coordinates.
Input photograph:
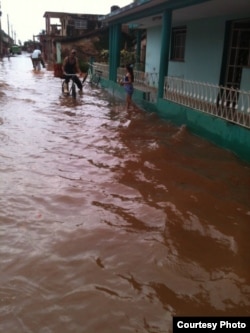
{"type": "Point", "coordinates": [141, 78]}
{"type": "Point", "coordinates": [227, 103]}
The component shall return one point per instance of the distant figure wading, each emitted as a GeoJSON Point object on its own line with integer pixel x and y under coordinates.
{"type": "Point", "coordinates": [37, 59]}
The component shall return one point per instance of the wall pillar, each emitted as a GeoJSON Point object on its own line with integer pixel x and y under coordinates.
{"type": "Point", "coordinates": [165, 50]}
{"type": "Point", "coordinates": [114, 50]}
{"type": "Point", "coordinates": [138, 47]}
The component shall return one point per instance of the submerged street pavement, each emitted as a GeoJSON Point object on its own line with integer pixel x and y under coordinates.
{"type": "Point", "coordinates": [112, 221]}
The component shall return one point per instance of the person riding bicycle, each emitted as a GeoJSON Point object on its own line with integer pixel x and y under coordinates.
{"type": "Point", "coordinates": [71, 66]}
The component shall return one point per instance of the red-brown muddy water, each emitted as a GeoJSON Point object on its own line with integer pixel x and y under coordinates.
{"type": "Point", "coordinates": [112, 222]}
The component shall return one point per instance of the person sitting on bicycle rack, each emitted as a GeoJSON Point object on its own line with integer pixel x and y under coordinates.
{"type": "Point", "coordinates": [71, 66]}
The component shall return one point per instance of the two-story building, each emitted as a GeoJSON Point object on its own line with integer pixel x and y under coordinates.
{"type": "Point", "coordinates": [60, 26]}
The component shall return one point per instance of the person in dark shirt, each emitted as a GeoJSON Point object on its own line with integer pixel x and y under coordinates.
{"type": "Point", "coordinates": [71, 66]}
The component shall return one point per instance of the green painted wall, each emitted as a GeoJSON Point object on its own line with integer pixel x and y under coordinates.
{"type": "Point", "coordinates": [204, 48]}
{"type": "Point", "coordinates": [203, 53]}
{"type": "Point", "coordinates": [219, 131]}
{"type": "Point", "coordinates": [222, 133]}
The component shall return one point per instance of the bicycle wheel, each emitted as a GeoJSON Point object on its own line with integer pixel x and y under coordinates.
{"type": "Point", "coordinates": [85, 78]}
{"type": "Point", "coordinates": [73, 90]}
{"type": "Point", "coordinates": [63, 83]}
{"type": "Point", "coordinates": [65, 88]}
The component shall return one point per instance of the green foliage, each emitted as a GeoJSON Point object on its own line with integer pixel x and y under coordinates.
{"type": "Point", "coordinates": [83, 66]}
{"type": "Point", "coordinates": [126, 57]}
{"type": "Point", "coordinates": [102, 42]}
{"type": "Point", "coordinates": [104, 55]}
{"type": "Point", "coordinates": [139, 66]}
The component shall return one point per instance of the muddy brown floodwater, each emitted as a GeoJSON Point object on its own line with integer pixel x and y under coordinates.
{"type": "Point", "coordinates": [112, 222]}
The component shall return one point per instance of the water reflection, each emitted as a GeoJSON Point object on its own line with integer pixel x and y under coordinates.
{"type": "Point", "coordinates": [112, 221]}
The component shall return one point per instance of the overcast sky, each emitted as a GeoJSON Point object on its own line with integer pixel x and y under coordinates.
{"type": "Point", "coordinates": [26, 16]}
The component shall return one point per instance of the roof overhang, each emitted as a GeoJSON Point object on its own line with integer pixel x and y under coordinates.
{"type": "Point", "coordinates": [63, 14]}
{"type": "Point", "coordinates": [149, 13]}
{"type": "Point", "coordinates": [140, 9]}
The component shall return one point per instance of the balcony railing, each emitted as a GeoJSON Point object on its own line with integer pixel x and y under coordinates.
{"type": "Point", "coordinates": [143, 79]}
{"type": "Point", "coordinates": [140, 78]}
{"type": "Point", "coordinates": [146, 82]}
{"type": "Point", "coordinates": [101, 67]}
{"type": "Point", "coordinates": [227, 103]}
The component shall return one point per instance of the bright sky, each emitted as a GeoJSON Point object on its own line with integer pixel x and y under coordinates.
{"type": "Point", "coordinates": [26, 17]}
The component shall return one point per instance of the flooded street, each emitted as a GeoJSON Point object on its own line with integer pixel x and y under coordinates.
{"type": "Point", "coordinates": [112, 222]}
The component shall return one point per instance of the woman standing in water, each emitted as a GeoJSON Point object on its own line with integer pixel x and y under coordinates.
{"type": "Point", "coordinates": [128, 85]}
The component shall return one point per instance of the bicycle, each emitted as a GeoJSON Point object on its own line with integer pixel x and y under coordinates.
{"type": "Point", "coordinates": [71, 91]}
{"type": "Point", "coordinates": [95, 76]}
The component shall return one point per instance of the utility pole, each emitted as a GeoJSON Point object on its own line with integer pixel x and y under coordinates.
{"type": "Point", "coordinates": [8, 25]}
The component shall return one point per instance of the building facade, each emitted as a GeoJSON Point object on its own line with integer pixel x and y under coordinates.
{"type": "Point", "coordinates": [60, 26]}
{"type": "Point", "coordinates": [197, 65]}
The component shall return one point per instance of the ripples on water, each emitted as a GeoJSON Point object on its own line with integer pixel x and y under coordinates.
{"type": "Point", "coordinates": [112, 222]}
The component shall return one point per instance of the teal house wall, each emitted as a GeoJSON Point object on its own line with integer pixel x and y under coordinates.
{"type": "Point", "coordinates": [203, 54]}
{"type": "Point", "coordinates": [153, 50]}
{"type": "Point", "coordinates": [206, 48]}
{"type": "Point", "coordinates": [216, 130]}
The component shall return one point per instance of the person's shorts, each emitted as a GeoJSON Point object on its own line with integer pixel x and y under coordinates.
{"type": "Point", "coordinates": [129, 89]}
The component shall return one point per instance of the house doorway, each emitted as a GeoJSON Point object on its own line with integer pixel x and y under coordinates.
{"type": "Point", "coordinates": [238, 53]}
